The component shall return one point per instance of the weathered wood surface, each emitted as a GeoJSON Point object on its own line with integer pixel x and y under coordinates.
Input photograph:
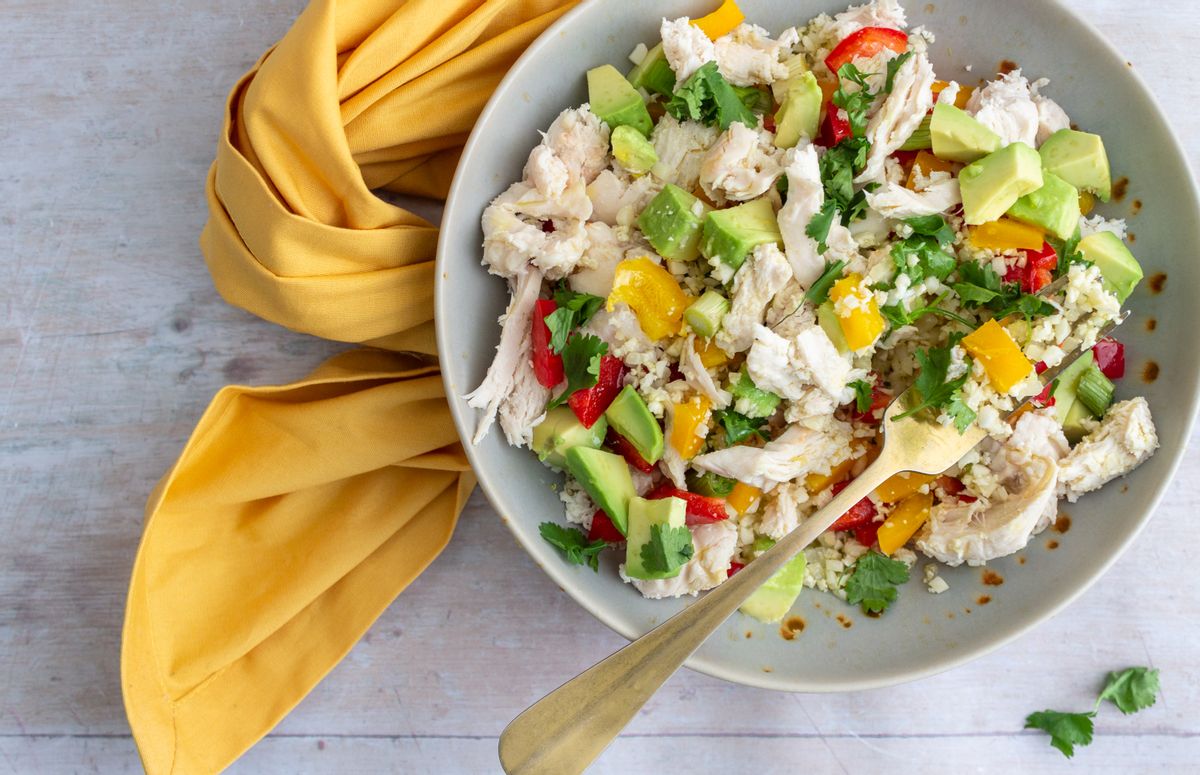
{"type": "Point", "coordinates": [112, 341]}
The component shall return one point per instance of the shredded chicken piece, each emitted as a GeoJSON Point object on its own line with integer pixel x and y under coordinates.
{"type": "Point", "coordinates": [782, 513]}
{"type": "Point", "coordinates": [981, 531]}
{"type": "Point", "coordinates": [880, 13]}
{"type": "Point", "coordinates": [1006, 107]}
{"type": "Point", "coordinates": [672, 463]}
{"type": "Point", "coordinates": [1051, 116]}
{"type": "Point", "coordinates": [685, 46]}
{"type": "Point", "coordinates": [742, 165]}
{"type": "Point", "coordinates": [790, 368]}
{"type": "Point", "coordinates": [524, 405]}
{"type": "Point", "coordinates": [579, 139]}
{"type": "Point", "coordinates": [897, 201]}
{"type": "Point", "coordinates": [1120, 443]}
{"type": "Point", "coordinates": [899, 116]}
{"type": "Point", "coordinates": [698, 377]}
{"type": "Point", "coordinates": [764, 274]}
{"type": "Point", "coordinates": [747, 56]}
{"type": "Point", "coordinates": [799, 451]}
{"type": "Point", "coordinates": [681, 148]}
{"type": "Point", "coordinates": [513, 235]}
{"type": "Point", "coordinates": [596, 270]}
{"type": "Point", "coordinates": [805, 195]}
{"type": "Point", "coordinates": [502, 374]}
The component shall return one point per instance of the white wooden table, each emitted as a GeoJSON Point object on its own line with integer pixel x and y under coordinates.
{"type": "Point", "coordinates": [113, 340]}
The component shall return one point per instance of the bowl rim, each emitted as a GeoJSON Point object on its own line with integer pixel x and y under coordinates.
{"type": "Point", "coordinates": [464, 417]}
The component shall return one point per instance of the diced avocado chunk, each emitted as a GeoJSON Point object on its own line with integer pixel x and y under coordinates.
{"type": "Point", "coordinates": [1064, 391]}
{"type": "Point", "coordinates": [672, 223]}
{"type": "Point", "coordinates": [632, 150]}
{"type": "Point", "coordinates": [751, 400]}
{"type": "Point", "coordinates": [828, 320]}
{"type": "Point", "coordinates": [800, 114]}
{"type": "Point", "coordinates": [729, 235]}
{"type": "Point", "coordinates": [643, 515]}
{"type": "Point", "coordinates": [1078, 158]}
{"type": "Point", "coordinates": [615, 101]}
{"type": "Point", "coordinates": [630, 417]}
{"type": "Point", "coordinates": [606, 479]}
{"type": "Point", "coordinates": [1073, 425]}
{"type": "Point", "coordinates": [560, 431]}
{"type": "Point", "coordinates": [710, 484]}
{"type": "Point", "coordinates": [771, 602]}
{"type": "Point", "coordinates": [994, 183]}
{"type": "Point", "coordinates": [654, 74]}
{"type": "Point", "coordinates": [706, 313]}
{"type": "Point", "coordinates": [1053, 207]}
{"type": "Point", "coordinates": [957, 136]}
{"type": "Point", "coordinates": [796, 68]}
{"type": "Point", "coordinates": [1121, 270]}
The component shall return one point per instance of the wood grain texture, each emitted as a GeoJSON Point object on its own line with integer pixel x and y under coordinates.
{"type": "Point", "coordinates": [112, 341]}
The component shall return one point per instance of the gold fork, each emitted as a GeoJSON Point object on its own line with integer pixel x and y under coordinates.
{"type": "Point", "coordinates": [567, 729]}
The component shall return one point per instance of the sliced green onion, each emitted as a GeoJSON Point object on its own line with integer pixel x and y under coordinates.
{"type": "Point", "coordinates": [1095, 391]}
{"type": "Point", "coordinates": [919, 139]}
{"type": "Point", "coordinates": [706, 313]}
{"type": "Point", "coordinates": [710, 484]}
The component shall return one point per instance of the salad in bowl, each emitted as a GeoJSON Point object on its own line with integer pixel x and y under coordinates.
{"type": "Point", "coordinates": [724, 265]}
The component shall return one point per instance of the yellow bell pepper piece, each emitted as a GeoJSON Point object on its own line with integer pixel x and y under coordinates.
{"type": "Point", "coordinates": [653, 295]}
{"type": "Point", "coordinates": [721, 21]}
{"type": "Point", "coordinates": [1007, 234]}
{"type": "Point", "coordinates": [905, 520]}
{"type": "Point", "coordinates": [857, 312]}
{"type": "Point", "coordinates": [710, 355]}
{"type": "Point", "coordinates": [898, 487]}
{"type": "Point", "coordinates": [743, 497]}
{"type": "Point", "coordinates": [1086, 202]}
{"type": "Point", "coordinates": [1002, 359]}
{"type": "Point", "coordinates": [815, 483]}
{"type": "Point", "coordinates": [927, 164]}
{"type": "Point", "coordinates": [960, 99]}
{"type": "Point", "coordinates": [686, 420]}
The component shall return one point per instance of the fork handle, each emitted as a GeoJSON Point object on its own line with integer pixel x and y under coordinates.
{"type": "Point", "coordinates": [568, 728]}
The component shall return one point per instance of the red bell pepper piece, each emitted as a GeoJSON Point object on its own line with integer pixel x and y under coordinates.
{"type": "Point", "coordinates": [836, 127]}
{"type": "Point", "coordinates": [1038, 271]}
{"type": "Point", "coordinates": [868, 533]}
{"type": "Point", "coordinates": [589, 403]}
{"type": "Point", "coordinates": [951, 485]}
{"type": "Point", "coordinates": [547, 364]}
{"type": "Point", "coordinates": [769, 122]}
{"type": "Point", "coordinates": [734, 567]}
{"type": "Point", "coordinates": [1040, 366]}
{"type": "Point", "coordinates": [604, 529]}
{"type": "Point", "coordinates": [859, 514]}
{"type": "Point", "coordinates": [624, 447]}
{"type": "Point", "coordinates": [864, 43]}
{"type": "Point", "coordinates": [1110, 357]}
{"type": "Point", "coordinates": [701, 509]}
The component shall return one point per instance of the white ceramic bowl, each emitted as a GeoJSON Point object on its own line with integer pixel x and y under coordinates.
{"type": "Point", "coordinates": [922, 633]}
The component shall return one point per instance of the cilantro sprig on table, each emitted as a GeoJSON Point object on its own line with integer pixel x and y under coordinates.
{"type": "Point", "coordinates": [668, 548]}
{"type": "Point", "coordinates": [874, 581]}
{"type": "Point", "coordinates": [575, 546]}
{"type": "Point", "coordinates": [1131, 690]}
{"type": "Point", "coordinates": [708, 98]}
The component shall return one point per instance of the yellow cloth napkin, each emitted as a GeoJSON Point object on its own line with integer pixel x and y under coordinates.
{"type": "Point", "coordinates": [295, 514]}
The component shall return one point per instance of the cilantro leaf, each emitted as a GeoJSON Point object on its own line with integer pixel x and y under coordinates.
{"type": "Point", "coordinates": [898, 316]}
{"type": "Point", "coordinates": [574, 544]}
{"type": "Point", "coordinates": [1068, 253]}
{"type": "Point", "coordinates": [739, 427]}
{"type": "Point", "coordinates": [874, 581]}
{"type": "Point", "coordinates": [962, 414]}
{"type": "Point", "coordinates": [862, 395]}
{"type": "Point", "coordinates": [754, 98]}
{"type": "Point", "coordinates": [974, 295]}
{"type": "Point", "coordinates": [668, 549]}
{"type": "Point", "coordinates": [708, 98]}
{"type": "Point", "coordinates": [932, 226]}
{"type": "Point", "coordinates": [893, 66]}
{"type": "Point", "coordinates": [822, 220]}
{"type": "Point", "coordinates": [1132, 689]}
{"type": "Point", "coordinates": [1066, 730]}
{"type": "Point", "coordinates": [818, 292]}
{"type": "Point", "coordinates": [574, 310]}
{"type": "Point", "coordinates": [581, 365]}
{"type": "Point", "coordinates": [855, 103]}
{"type": "Point", "coordinates": [932, 384]}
